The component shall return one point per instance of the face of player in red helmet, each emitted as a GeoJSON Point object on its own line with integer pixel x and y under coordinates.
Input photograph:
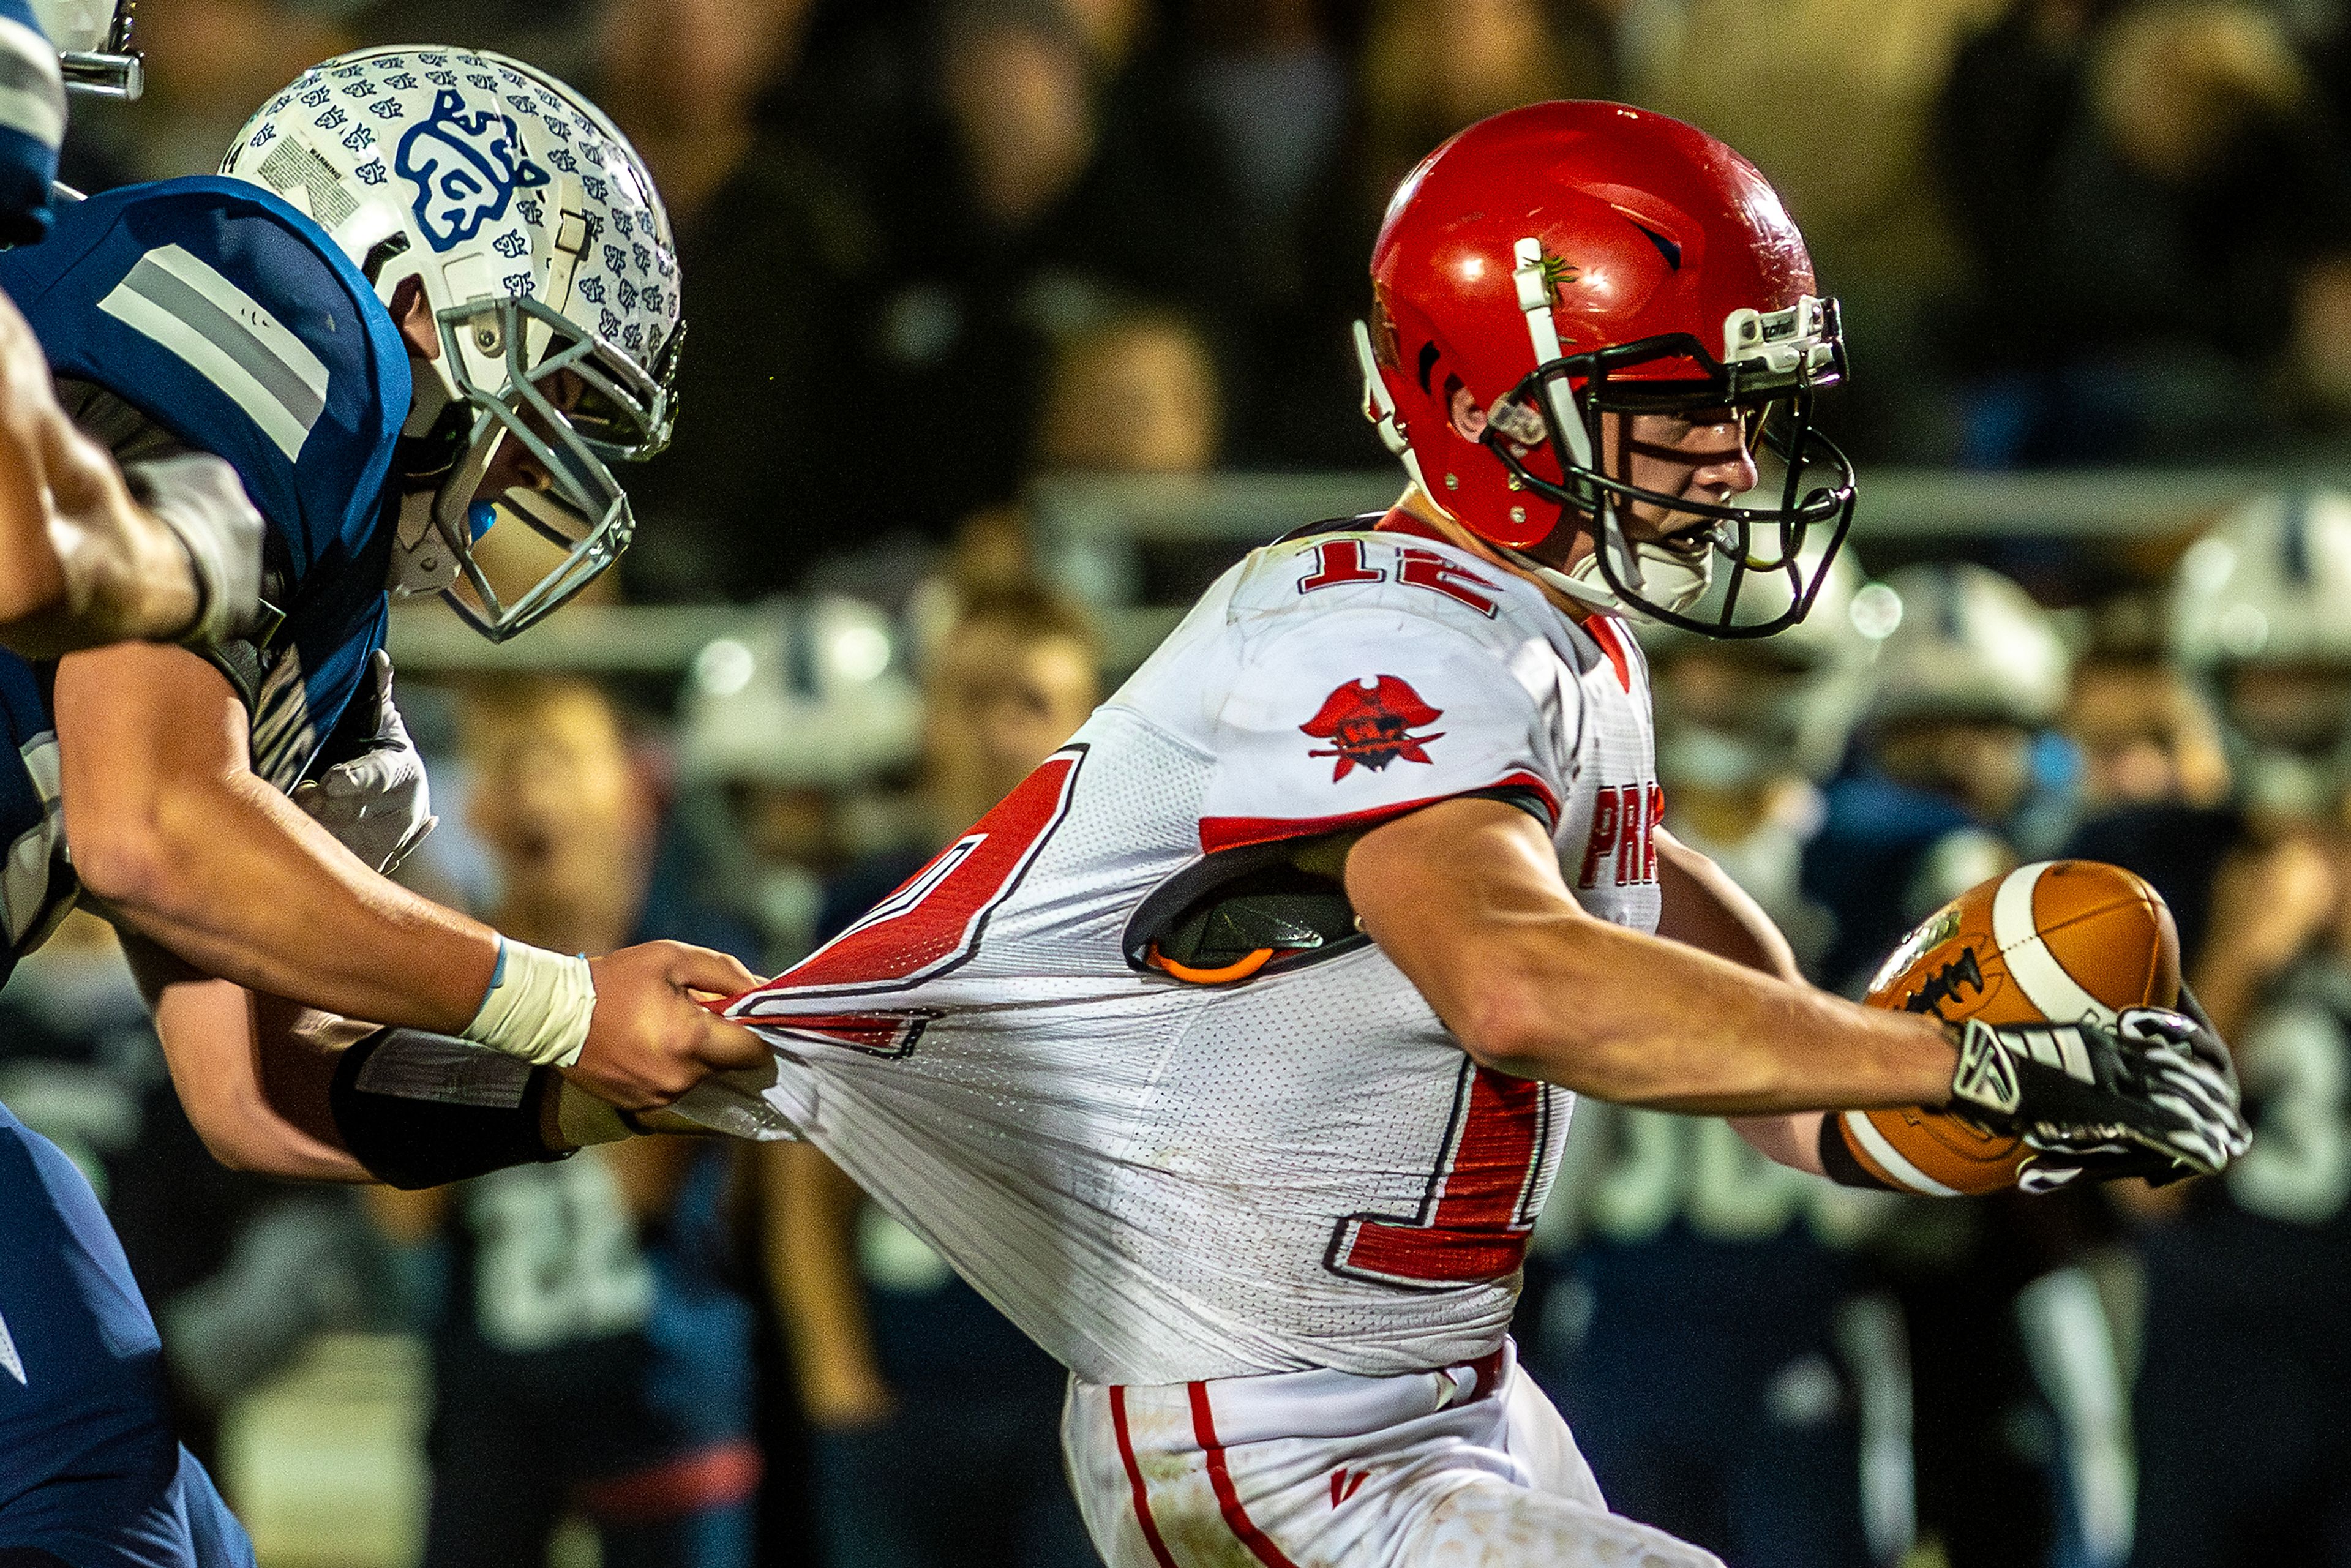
{"type": "Point", "coordinates": [1586, 282]}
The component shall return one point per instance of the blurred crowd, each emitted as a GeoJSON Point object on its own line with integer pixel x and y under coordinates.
{"type": "Point", "coordinates": [935, 249]}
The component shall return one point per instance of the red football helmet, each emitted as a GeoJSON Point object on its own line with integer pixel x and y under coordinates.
{"type": "Point", "coordinates": [1566, 260]}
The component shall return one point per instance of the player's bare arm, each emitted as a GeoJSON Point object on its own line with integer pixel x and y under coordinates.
{"type": "Point", "coordinates": [81, 562]}
{"type": "Point", "coordinates": [1701, 906]}
{"type": "Point", "coordinates": [809, 1223]}
{"type": "Point", "coordinates": [172, 831]}
{"type": "Point", "coordinates": [255, 1093]}
{"type": "Point", "coordinates": [1465, 897]}
{"type": "Point", "coordinates": [266, 1085]}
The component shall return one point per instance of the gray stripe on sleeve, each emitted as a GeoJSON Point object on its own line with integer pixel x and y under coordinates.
{"type": "Point", "coordinates": [229, 335]}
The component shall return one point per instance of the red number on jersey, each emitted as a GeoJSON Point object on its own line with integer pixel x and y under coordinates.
{"type": "Point", "coordinates": [1339, 561]}
{"type": "Point", "coordinates": [934, 921]}
{"type": "Point", "coordinates": [1475, 1221]}
{"type": "Point", "coordinates": [1427, 569]}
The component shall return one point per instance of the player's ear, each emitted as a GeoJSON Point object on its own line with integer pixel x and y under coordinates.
{"type": "Point", "coordinates": [1468, 419]}
{"type": "Point", "coordinates": [414, 314]}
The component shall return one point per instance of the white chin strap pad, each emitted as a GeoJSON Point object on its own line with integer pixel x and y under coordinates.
{"type": "Point", "coordinates": [1661, 576]}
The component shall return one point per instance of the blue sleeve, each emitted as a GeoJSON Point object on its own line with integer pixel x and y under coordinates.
{"type": "Point", "coordinates": [32, 123]}
{"type": "Point", "coordinates": [231, 319]}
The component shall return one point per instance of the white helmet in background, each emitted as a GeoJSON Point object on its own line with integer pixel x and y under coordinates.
{"type": "Point", "coordinates": [2269, 589]}
{"type": "Point", "coordinates": [546, 257]}
{"type": "Point", "coordinates": [1966, 643]}
{"type": "Point", "coordinates": [92, 39]}
{"type": "Point", "coordinates": [817, 698]}
{"type": "Point", "coordinates": [2270, 584]}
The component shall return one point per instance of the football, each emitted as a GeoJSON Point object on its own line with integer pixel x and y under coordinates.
{"type": "Point", "coordinates": [2056, 941]}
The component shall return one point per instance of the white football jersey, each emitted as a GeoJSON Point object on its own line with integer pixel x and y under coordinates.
{"type": "Point", "coordinates": [1162, 1181]}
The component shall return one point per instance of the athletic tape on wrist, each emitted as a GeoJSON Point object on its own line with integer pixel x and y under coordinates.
{"type": "Point", "coordinates": [538, 1006]}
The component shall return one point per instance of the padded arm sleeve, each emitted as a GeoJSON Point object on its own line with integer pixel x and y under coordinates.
{"type": "Point", "coordinates": [32, 123]}
{"type": "Point", "coordinates": [419, 1109]}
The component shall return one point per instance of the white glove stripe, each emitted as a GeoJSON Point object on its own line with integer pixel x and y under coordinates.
{"type": "Point", "coordinates": [2195, 1118]}
{"type": "Point", "coordinates": [2211, 1096]}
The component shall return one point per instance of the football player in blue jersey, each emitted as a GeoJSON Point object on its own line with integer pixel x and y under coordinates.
{"type": "Point", "coordinates": [79, 562]}
{"type": "Point", "coordinates": [430, 290]}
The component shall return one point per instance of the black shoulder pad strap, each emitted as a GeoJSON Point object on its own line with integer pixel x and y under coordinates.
{"type": "Point", "coordinates": [1362, 523]}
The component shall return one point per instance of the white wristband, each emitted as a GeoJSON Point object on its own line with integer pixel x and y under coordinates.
{"type": "Point", "coordinates": [537, 1006]}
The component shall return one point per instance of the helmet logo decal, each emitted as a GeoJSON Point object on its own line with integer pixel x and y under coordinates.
{"type": "Point", "coordinates": [1558, 272]}
{"type": "Point", "coordinates": [1369, 723]}
{"type": "Point", "coordinates": [466, 168]}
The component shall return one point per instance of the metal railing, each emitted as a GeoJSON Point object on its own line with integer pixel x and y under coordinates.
{"type": "Point", "coordinates": [1094, 533]}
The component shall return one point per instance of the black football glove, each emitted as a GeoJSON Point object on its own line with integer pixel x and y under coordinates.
{"type": "Point", "coordinates": [2147, 1096]}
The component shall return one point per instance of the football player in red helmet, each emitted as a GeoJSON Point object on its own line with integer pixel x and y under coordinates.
{"type": "Point", "coordinates": [1231, 1053]}
{"type": "Point", "coordinates": [1586, 318]}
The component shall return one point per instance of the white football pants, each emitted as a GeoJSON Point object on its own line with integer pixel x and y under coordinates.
{"type": "Point", "coordinates": [1317, 1470]}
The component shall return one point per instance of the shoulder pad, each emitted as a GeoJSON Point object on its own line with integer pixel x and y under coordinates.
{"type": "Point", "coordinates": [1362, 523]}
{"type": "Point", "coordinates": [233, 320]}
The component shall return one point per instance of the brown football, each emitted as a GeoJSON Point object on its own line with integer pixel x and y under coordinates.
{"type": "Point", "coordinates": [2052, 942]}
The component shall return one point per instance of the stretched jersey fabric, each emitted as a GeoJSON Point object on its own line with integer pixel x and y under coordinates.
{"type": "Point", "coordinates": [234, 324]}
{"type": "Point", "coordinates": [1162, 1181]}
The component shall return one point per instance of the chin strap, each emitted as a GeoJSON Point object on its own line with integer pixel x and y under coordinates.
{"type": "Point", "coordinates": [1586, 591]}
{"type": "Point", "coordinates": [1635, 562]}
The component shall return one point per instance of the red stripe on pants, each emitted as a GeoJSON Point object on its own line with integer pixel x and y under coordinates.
{"type": "Point", "coordinates": [1221, 1476]}
{"type": "Point", "coordinates": [1134, 1480]}
{"type": "Point", "coordinates": [716, 1477]}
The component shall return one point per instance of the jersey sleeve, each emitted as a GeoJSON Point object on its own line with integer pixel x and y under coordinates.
{"type": "Point", "coordinates": [32, 122]}
{"type": "Point", "coordinates": [233, 321]}
{"type": "Point", "coordinates": [1354, 717]}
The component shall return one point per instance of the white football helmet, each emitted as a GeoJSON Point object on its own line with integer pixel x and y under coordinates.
{"type": "Point", "coordinates": [92, 39]}
{"type": "Point", "coordinates": [2269, 588]}
{"type": "Point", "coordinates": [2270, 584]}
{"type": "Point", "coordinates": [547, 258]}
{"type": "Point", "coordinates": [1966, 643]}
{"type": "Point", "coordinates": [817, 698]}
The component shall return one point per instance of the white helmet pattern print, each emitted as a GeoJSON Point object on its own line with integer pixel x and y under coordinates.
{"type": "Point", "coordinates": [547, 259]}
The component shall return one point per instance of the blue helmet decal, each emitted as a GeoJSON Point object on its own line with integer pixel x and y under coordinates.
{"type": "Point", "coordinates": [466, 168]}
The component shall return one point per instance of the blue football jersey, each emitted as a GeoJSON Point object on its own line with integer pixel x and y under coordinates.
{"type": "Point", "coordinates": [233, 321]}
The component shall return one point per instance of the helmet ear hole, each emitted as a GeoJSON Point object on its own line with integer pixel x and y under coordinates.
{"type": "Point", "coordinates": [381, 255]}
{"type": "Point", "coordinates": [1462, 411]}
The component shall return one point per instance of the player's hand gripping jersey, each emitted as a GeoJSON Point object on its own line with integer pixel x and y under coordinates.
{"type": "Point", "coordinates": [206, 315]}
{"type": "Point", "coordinates": [1284, 1161]}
